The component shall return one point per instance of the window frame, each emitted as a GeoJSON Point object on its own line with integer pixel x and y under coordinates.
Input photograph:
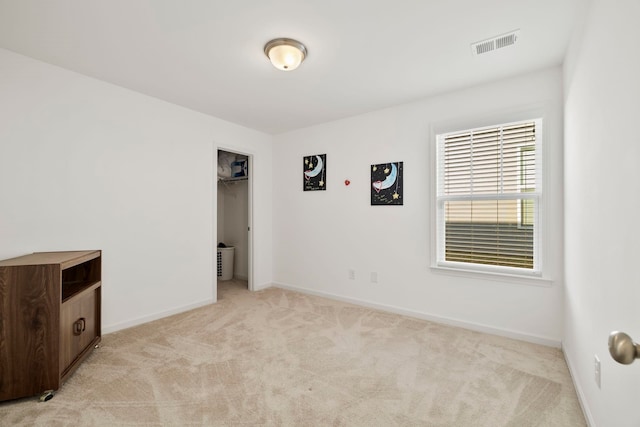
{"type": "Point", "coordinates": [535, 276]}
{"type": "Point", "coordinates": [522, 186]}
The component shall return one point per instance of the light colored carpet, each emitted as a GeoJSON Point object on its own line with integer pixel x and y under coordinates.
{"type": "Point", "coordinates": [277, 357]}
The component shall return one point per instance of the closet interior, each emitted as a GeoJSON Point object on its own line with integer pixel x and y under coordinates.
{"type": "Point", "coordinates": [233, 216]}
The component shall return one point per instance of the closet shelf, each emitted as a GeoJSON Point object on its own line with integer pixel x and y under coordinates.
{"type": "Point", "coordinates": [235, 179]}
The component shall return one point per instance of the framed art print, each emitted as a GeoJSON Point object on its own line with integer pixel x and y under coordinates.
{"type": "Point", "coordinates": [386, 184]}
{"type": "Point", "coordinates": [314, 172]}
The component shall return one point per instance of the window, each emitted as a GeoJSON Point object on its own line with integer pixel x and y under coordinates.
{"type": "Point", "coordinates": [488, 198]}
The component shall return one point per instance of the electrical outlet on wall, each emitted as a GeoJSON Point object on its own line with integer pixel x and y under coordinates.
{"type": "Point", "coordinates": [597, 371]}
{"type": "Point", "coordinates": [374, 277]}
{"type": "Point", "coordinates": [352, 274]}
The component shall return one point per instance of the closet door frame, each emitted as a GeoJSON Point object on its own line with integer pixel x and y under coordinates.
{"type": "Point", "coordinates": [250, 257]}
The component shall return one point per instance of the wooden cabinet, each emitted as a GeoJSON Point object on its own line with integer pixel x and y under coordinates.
{"type": "Point", "coordinates": [49, 319]}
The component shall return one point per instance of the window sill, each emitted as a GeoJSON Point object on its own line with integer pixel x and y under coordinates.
{"type": "Point", "coordinates": [516, 279]}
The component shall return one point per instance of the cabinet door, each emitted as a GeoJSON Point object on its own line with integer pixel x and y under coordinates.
{"type": "Point", "coordinates": [78, 326]}
{"type": "Point", "coordinates": [88, 312]}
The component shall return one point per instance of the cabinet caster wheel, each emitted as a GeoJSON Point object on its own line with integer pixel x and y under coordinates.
{"type": "Point", "coordinates": [46, 396]}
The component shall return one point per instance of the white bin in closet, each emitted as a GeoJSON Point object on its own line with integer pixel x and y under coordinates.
{"type": "Point", "coordinates": [225, 263]}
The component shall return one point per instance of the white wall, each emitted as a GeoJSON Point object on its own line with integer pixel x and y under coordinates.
{"type": "Point", "coordinates": [602, 176]}
{"type": "Point", "coordinates": [220, 214]}
{"type": "Point", "coordinates": [88, 165]}
{"type": "Point", "coordinates": [319, 236]}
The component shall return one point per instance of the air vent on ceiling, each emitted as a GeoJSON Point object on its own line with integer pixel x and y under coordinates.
{"type": "Point", "coordinates": [495, 43]}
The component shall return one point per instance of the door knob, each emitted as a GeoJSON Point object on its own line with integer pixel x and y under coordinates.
{"type": "Point", "coordinates": [622, 348]}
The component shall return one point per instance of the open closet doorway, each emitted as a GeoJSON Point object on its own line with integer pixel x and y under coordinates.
{"type": "Point", "coordinates": [234, 219]}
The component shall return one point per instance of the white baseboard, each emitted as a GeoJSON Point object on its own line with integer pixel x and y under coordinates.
{"type": "Point", "coordinates": [262, 286]}
{"type": "Point", "coordinates": [549, 342]}
{"type": "Point", "coordinates": [581, 397]}
{"type": "Point", "coordinates": [150, 318]}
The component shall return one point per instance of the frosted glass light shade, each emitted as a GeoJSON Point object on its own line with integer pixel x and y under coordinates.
{"type": "Point", "coordinates": [285, 54]}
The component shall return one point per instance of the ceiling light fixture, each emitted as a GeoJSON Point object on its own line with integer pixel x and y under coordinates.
{"type": "Point", "coordinates": [285, 54]}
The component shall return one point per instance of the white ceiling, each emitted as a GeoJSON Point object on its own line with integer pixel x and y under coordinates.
{"type": "Point", "coordinates": [363, 54]}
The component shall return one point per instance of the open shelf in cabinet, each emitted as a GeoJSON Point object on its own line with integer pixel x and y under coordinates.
{"type": "Point", "coordinates": [80, 277]}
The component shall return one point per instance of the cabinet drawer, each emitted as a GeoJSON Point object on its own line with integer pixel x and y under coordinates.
{"type": "Point", "coordinates": [78, 325]}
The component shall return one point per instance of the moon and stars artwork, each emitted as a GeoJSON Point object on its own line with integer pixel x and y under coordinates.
{"type": "Point", "coordinates": [386, 184]}
{"type": "Point", "coordinates": [314, 172]}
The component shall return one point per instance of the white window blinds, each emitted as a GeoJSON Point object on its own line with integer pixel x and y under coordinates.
{"type": "Point", "coordinates": [488, 196]}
